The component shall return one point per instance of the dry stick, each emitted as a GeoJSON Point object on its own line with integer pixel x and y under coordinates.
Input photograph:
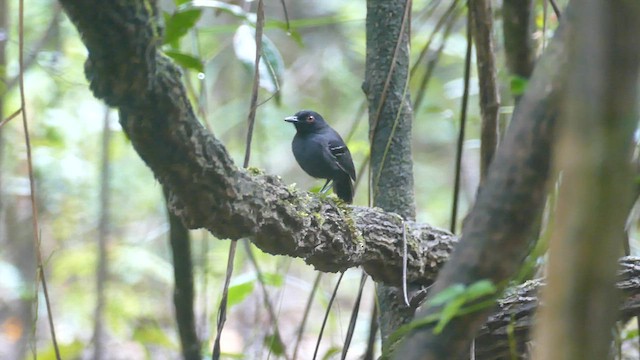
{"type": "Point", "coordinates": [286, 15]}
{"type": "Point", "coordinates": [256, 82]}
{"type": "Point", "coordinates": [46, 37]}
{"type": "Point", "coordinates": [103, 233]}
{"type": "Point", "coordinates": [431, 64]}
{"type": "Point", "coordinates": [405, 255]}
{"type": "Point", "coordinates": [489, 97]}
{"type": "Point", "coordinates": [354, 317]}
{"type": "Point", "coordinates": [429, 9]}
{"type": "Point", "coordinates": [265, 294]}
{"type": "Point", "coordinates": [32, 187]}
{"type": "Point", "coordinates": [203, 329]}
{"type": "Point", "coordinates": [356, 120]}
{"type": "Point", "coordinates": [10, 117]}
{"type": "Point", "coordinates": [251, 120]}
{"type": "Point", "coordinates": [435, 31]}
{"type": "Point", "coordinates": [326, 315]}
{"type": "Point", "coordinates": [373, 330]}
{"type": "Point", "coordinates": [555, 7]}
{"type": "Point", "coordinates": [282, 267]}
{"type": "Point", "coordinates": [463, 122]}
{"type": "Point", "coordinates": [307, 310]}
{"type": "Point", "coordinates": [222, 310]}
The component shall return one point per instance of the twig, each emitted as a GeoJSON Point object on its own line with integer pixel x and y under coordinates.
{"type": "Point", "coordinates": [10, 117]}
{"type": "Point", "coordinates": [354, 316]}
{"type": "Point", "coordinates": [431, 64]}
{"type": "Point", "coordinates": [436, 29]}
{"type": "Point", "coordinates": [404, 263]}
{"type": "Point", "coordinates": [32, 187]}
{"type": "Point", "coordinates": [326, 315]}
{"type": "Point", "coordinates": [256, 82]}
{"type": "Point", "coordinates": [103, 233]}
{"type": "Point", "coordinates": [463, 122]}
{"type": "Point", "coordinates": [373, 330]}
{"type": "Point", "coordinates": [222, 310]}
{"type": "Point", "coordinates": [265, 294]}
{"type": "Point", "coordinates": [481, 14]}
{"type": "Point", "coordinates": [556, 9]}
{"type": "Point", "coordinates": [33, 55]}
{"type": "Point", "coordinates": [305, 316]}
{"type": "Point", "coordinates": [286, 15]}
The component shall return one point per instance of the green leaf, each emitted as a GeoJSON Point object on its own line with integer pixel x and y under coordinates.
{"type": "Point", "coordinates": [185, 60]}
{"type": "Point", "coordinates": [331, 352]}
{"type": "Point", "coordinates": [282, 25]}
{"type": "Point", "coordinates": [238, 292]}
{"type": "Point", "coordinates": [479, 289]}
{"type": "Point", "coordinates": [271, 65]}
{"type": "Point", "coordinates": [231, 9]}
{"type": "Point", "coordinates": [449, 312]}
{"type": "Point", "coordinates": [447, 295]}
{"type": "Point", "coordinates": [71, 350]}
{"type": "Point", "coordinates": [274, 343]}
{"type": "Point", "coordinates": [518, 85]}
{"type": "Point", "coordinates": [243, 285]}
{"type": "Point", "coordinates": [150, 334]}
{"type": "Point", "coordinates": [178, 25]}
{"type": "Point", "coordinates": [273, 279]}
{"type": "Point", "coordinates": [456, 296]}
{"type": "Point", "coordinates": [631, 334]}
{"type": "Point", "coordinates": [272, 58]}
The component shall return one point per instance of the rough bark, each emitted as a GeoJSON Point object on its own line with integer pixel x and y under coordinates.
{"type": "Point", "coordinates": [390, 112]}
{"type": "Point", "coordinates": [514, 318]}
{"type": "Point", "coordinates": [390, 120]}
{"type": "Point", "coordinates": [594, 154]}
{"type": "Point", "coordinates": [206, 189]}
{"type": "Point", "coordinates": [496, 234]}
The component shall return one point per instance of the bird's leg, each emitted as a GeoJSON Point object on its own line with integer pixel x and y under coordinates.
{"type": "Point", "coordinates": [328, 185]}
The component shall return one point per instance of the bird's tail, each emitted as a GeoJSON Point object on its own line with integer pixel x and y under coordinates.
{"type": "Point", "coordinates": [343, 187]}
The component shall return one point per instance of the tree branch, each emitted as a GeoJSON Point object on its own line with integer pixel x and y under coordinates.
{"type": "Point", "coordinates": [514, 318]}
{"type": "Point", "coordinates": [206, 189]}
{"type": "Point", "coordinates": [497, 230]}
{"type": "Point", "coordinates": [482, 22]}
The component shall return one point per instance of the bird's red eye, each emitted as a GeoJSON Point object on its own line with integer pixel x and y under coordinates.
{"type": "Point", "coordinates": [311, 119]}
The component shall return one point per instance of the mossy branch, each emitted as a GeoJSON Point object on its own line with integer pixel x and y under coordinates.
{"type": "Point", "coordinates": [207, 190]}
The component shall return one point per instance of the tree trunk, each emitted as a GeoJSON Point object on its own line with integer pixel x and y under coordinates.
{"type": "Point", "coordinates": [496, 233]}
{"type": "Point", "coordinates": [594, 156]}
{"type": "Point", "coordinates": [390, 117]}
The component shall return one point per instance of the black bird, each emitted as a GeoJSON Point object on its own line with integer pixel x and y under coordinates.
{"type": "Point", "coordinates": [321, 153]}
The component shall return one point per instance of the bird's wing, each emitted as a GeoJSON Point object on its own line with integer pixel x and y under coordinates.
{"type": "Point", "coordinates": [341, 153]}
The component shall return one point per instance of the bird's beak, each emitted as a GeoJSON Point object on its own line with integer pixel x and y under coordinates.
{"type": "Point", "coordinates": [291, 119]}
